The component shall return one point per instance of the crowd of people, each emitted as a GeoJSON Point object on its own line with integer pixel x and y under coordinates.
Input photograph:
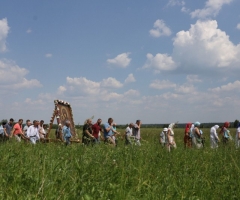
{"type": "Point", "coordinates": [194, 138]}
{"type": "Point", "coordinates": [107, 132]}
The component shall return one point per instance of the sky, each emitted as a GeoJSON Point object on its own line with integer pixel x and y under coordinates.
{"type": "Point", "coordinates": [159, 61]}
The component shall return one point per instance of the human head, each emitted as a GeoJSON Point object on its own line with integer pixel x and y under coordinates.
{"type": "Point", "coordinates": [35, 123]}
{"type": "Point", "coordinates": [226, 124]}
{"type": "Point", "coordinates": [89, 121]}
{"type": "Point", "coordinates": [130, 125]}
{"type": "Point", "coordinates": [197, 124]}
{"type": "Point", "coordinates": [138, 121]}
{"type": "Point", "coordinates": [110, 120]}
{"type": "Point", "coordinates": [20, 121]}
{"type": "Point", "coordinates": [114, 124]}
{"type": "Point", "coordinates": [216, 127]}
{"type": "Point", "coordinates": [41, 122]}
{"type": "Point", "coordinates": [11, 121]}
{"type": "Point", "coordinates": [67, 123]}
{"type": "Point", "coordinates": [28, 122]}
{"type": "Point", "coordinates": [99, 121]}
{"type": "Point", "coordinates": [44, 126]}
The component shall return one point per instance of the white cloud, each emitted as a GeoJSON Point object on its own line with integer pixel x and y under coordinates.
{"type": "Point", "coordinates": [121, 60]}
{"type": "Point", "coordinates": [238, 26]}
{"type": "Point", "coordinates": [165, 84]}
{"type": "Point", "coordinates": [212, 8]}
{"type": "Point", "coordinates": [160, 29]}
{"type": "Point", "coordinates": [111, 83]}
{"type": "Point", "coordinates": [193, 78]}
{"type": "Point", "coordinates": [4, 29]}
{"type": "Point", "coordinates": [48, 55]}
{"type": "Point", "coordinates": [176, 3]}
{"type": "Point", "coordinates": [13, 77]}
{"type": "Point", "coordinates": [29, 30]}
{"type": "Point", "coordinates": [161, 62]}
{"type": "Point", "coordinates": [187, 89]}
{"type": "Point", "coordinates": [205, 46]}
{"type": "Point", "coordinates": [130, 79]}
{"type": "Point", "coordinates": [225, 88]}
{"type": "Point", "coordinates": [185, 10]}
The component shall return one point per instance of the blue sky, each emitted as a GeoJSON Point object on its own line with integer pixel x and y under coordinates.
{"type": "Point", "coordinates": [158, 61]}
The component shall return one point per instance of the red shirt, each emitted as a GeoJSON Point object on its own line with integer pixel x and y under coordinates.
{"type": "Point", "coordinates": [96, 128]}
{"type": "Point", "coordinates": [18, 129]}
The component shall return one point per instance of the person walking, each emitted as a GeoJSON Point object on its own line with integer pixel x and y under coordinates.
{"type": "Point", "coordinates": [33, 132]}
{"type": "Point", "coordinates": [170, 137]}
{"type": "Point", "coordinates": [137, 132]}
{"type": "Point", "coordinates": [237, 140]}
{"type": "Point", "coordinates": [214, 139]}
{"type": "Point", "coordinates": [17, 130]}
{"type": "Point", "coordinates": [67, 133]}
{"type": "Point", "coordinates": [187, 136]}
{"type": "Point", "coordinates": [196, 136]}
{"type": "Point", "coordinates": [163, 137]}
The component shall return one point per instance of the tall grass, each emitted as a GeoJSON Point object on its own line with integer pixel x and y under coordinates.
{"type": "Point", "coordinates": [54, 171]}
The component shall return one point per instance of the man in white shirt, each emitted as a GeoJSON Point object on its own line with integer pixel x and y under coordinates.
{"type": "Point", "coordinates": [33, 132]}
{"type": "Point", "coordinates": [28, 124]}
{"type": "Point", "coordinates": [128, 133]}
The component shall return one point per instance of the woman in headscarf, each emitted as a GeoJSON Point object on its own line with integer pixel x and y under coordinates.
{"type": "Point", "coordinates": [214, 140]}
{"type": "Point", "coordinates": [238, 136]}
{"type": "Point", "coordinates": [170, 137]}
{"type": "Point", "coordinates": [187, 136]}
{"type": "Point", "coordinates": [225, 133]}
{"type": "Point", "coordinates": [196, 136]}
{"type": "Point", "coordinates": [163, 137]}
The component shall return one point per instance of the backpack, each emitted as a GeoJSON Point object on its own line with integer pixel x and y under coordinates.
{"type": "Point", "coordinates": [1, 130]}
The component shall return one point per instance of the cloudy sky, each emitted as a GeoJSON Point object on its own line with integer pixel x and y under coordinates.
{"type": "Point", "coordinates": [160, 61]}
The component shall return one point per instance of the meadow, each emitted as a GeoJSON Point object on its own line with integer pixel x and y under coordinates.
{"type": "Point", "coordinates": [54, 171]}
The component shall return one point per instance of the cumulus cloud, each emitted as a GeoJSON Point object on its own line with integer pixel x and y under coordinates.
{"type": "Point", "coordinates": [160, 62]}
{"type": "Point", "coordinates": [111, 83]}
{"type": "Point", "coordinates": [4, 29]}
{"type": "Point", "coordinates": [238, 26]}
{"type": "Point", "coordinates": [212, 8]}
{"type": "Point", "coordinates": [164, 84]}
{"type": "Point", "coordinates": [205, 46]}
{"type": "Point", "coordinates": [187, 89]}
{"type": "Point", "coordinates": [176, 3]}
{"type": "Point", "coordinates": [193, 78]}
{"type": "Point", "coordinates": [121, 60]}
{"type": "Point", "coordinates": [130, 79]}
{"type": "Point", "coordinates": [48, 55]}
{"type": "Point", "coordinates": [160, 29]}
{"type": "Point", "coordinates": [228, 87]}
{"type": "Point", "coordinates": [13, 77]}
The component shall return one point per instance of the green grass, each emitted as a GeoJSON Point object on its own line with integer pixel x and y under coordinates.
{"type": "Point", "coordinates": [54, 171]}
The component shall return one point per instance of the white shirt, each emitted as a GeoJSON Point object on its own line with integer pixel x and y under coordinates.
{"type": "Point", "coordinates": [33, 131]}
{"type": "Point", "coordinates": [128, 131]}
{"type": "Point", "coordinates": [213, 132]}
{"type": "Point", "coordinates": [238, 130]}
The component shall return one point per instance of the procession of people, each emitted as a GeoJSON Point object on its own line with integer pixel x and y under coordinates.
{"type": "Point", "coordinates": [93, 134]}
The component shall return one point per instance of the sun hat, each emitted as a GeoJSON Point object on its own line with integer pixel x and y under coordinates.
{"type": "Point", "coordinates": [165, 129]}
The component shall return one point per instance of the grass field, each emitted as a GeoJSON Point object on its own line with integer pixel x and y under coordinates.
{"type": "Point", "coordinates": [54, 171]}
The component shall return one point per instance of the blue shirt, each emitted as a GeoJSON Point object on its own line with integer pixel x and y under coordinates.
{"type": "Point", "coordinates": [66, 132]}
{"type": "Point", "coordinates": [8, 128]}
{"type": "Point", "coordinates": [109, 133]}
